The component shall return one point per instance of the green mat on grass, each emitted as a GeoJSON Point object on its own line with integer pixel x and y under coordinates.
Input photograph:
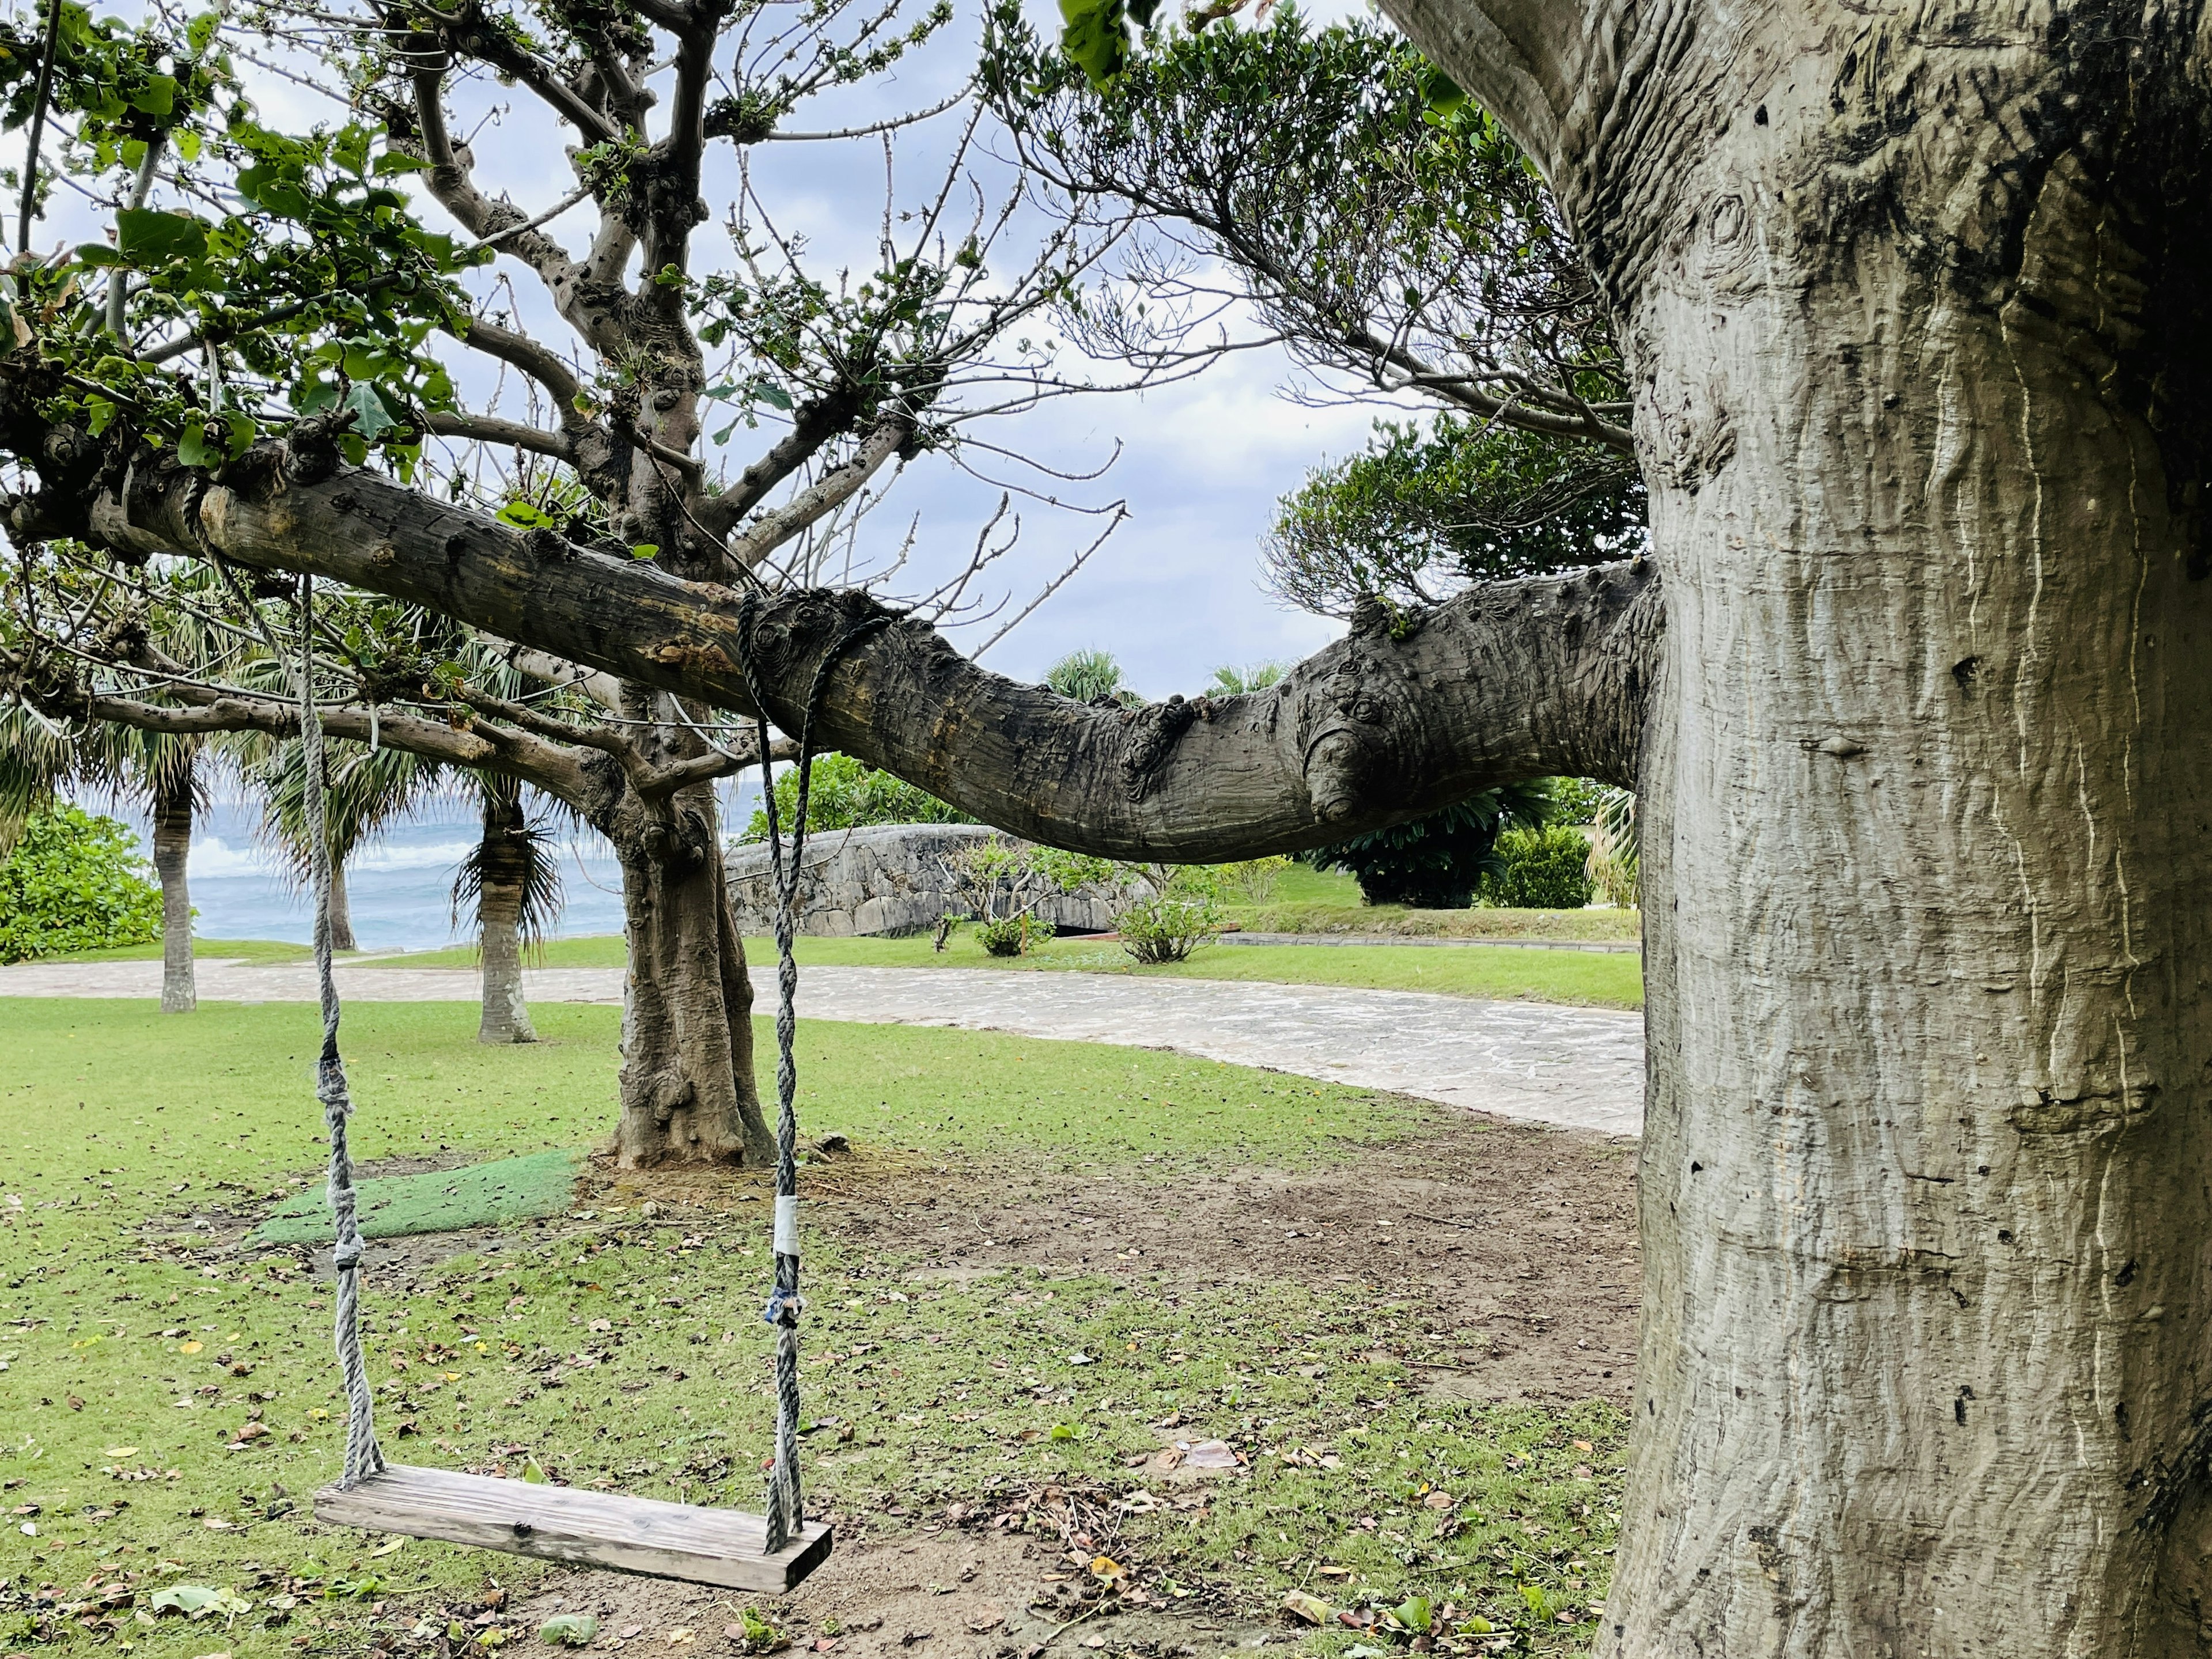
{"type": "Point", "coordinates": [437, 1201]}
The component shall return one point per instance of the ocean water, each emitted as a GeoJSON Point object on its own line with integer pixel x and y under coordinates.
{"type": "Point", "coordinates": [400, 885]}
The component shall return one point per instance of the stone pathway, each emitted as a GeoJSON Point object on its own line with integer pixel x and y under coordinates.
{"type": "Point", "coordinates": [1578, 1068]}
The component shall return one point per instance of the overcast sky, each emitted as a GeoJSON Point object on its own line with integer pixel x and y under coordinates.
{"type": "Point", "coordinates": [1176, 591]}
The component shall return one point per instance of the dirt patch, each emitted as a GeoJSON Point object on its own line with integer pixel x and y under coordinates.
{"type": "Point", "coordinates": [1521, 1241]}
{"type": "Point", "coordinates": [941, 1593]}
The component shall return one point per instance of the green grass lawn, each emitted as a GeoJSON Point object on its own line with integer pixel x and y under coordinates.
{"type": "Point", "coordinates": [1608, 980]}
{"type": "Point", "coordinates": [139, 1346]}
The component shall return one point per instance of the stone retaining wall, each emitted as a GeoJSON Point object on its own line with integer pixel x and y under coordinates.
{"type": "Point", "coordinates": [884, 879]}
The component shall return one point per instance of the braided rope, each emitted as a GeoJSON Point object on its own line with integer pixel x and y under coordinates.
{"type": "Point", "coordinates": [785, 1509]}
{"type": "Point", "coordinates": [362, 1456]}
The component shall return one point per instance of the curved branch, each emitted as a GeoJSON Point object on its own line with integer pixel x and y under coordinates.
{"type": "Point", "coordinates": [200, 711]}
{"type": "Point", "coordinates": [824, 495]}
{"type": "Point", "coordinates": [507, 435]}
{"type": "Point", "coordinates": [1531, 679]}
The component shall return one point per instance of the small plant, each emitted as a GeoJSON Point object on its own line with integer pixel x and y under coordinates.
{"type": "Point", "coordinates": [1180, 909]}
{"type": "Point", "coordinates": [1250, 881]}
{"type": "Point", "coordinates": [1001, 883]}
{"type": "Point", "coordinates": [1009, 936]}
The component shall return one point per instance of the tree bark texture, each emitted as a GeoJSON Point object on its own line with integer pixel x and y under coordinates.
{"type": "Point", "coordinates": [172, 844]}
{"type": "Point", "coordinates": [1914, 295]}
{"type": "Point", "coordinates": [504, 859]}
{"type": "Point", "coordinates": [689, 1090]}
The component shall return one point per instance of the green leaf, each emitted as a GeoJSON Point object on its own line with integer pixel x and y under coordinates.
{"type": "Point", "coordinates": [394, 160]}
{"type": "Point", "coordinates": [148, 237]}
{"type": "Point", "coordinates": [534, 1472]}
{"type": "Point", "coordinates": [1415, 1614]}
{"type": "Point", "coordinates": [1095, 39]}
{"type": "Point", "coordinates": [97, 254]}
{"type": "Point", "coordinates": [569, 1630]}
{"type": "Point", "coordinates": [371, 418]}
{"type": "Point", "coordinates": [193, 444]}
{"type": "Point", "coordinates": [522, 515]}
{"type": "Point", "coordinates": [199, 1600]}
{"type": "Point", "coordinates": [769, 392]}
{"type": "Point", "coordinates": [1440, 92]}
{"type": "Point", "coordinates": [157, 97]}
{"type": "Point", "coordinates": [644, 550]}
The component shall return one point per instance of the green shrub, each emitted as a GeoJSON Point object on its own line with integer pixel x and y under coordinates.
{"type": "Point", "coordinates": [75, 883]}
{"type": "Point", "coordinates": [849, 795]}
{"type": "Point", "coordinates": [1436, 862]}
{"type": "Point", "coordinates": [1181, 911]}
{"type": "Point", "coordinates": [1008, 936]}
{"type": "Point", "coordinates": [1546, 869]}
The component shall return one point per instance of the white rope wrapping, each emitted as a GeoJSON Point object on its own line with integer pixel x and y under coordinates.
{"type": "Point", "coordinates": [362, 1456]}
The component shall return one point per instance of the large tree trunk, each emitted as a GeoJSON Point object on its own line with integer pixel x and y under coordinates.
{"type": "Point", "coordinates": [504, 859]}
{"type": "Point", "coordinates": [689, 1093]}
{"type": "Point", "coordinates": [341, 909]}
{"type": "Point", "coordinates": [1926, 1360]}
{"type": "Point", "coordinates": [172, 845]}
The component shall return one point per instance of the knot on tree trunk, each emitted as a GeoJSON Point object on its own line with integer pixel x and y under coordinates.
{"type": "Point", "coordinates": [1354, 722]}
{"type": "Point", "coordinates": [671, 1093]}
{"type": "Point", "coordinates": [1151, 733]}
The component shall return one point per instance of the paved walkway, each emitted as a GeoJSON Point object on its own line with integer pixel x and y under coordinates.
{"type": "Point", "coordinates": [1536, 1062]}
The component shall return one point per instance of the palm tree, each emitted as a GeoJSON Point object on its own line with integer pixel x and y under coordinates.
{"type": "Point", "coordinates": [1088, 676]}
{"type": "Point", "coordinates": [366, 790]}
{"type": "Point", "coordinates": [513, 880]}
{"type": "Point", "coordinates": [1231, 681]}
{"type": "Point", "coordinates": [40, 760]}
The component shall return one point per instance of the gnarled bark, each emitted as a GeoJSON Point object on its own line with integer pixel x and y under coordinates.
{"type": "Point", "coordinates": [1518, 679]}
{"type": "Point", "coordinates": [173, 799]}
{"type": "Point", "coordinates": [689, 1090]}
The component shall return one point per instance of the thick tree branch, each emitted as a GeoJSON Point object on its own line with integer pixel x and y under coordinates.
{"type": "Point", "coordinates": [1517, 680]}
{"type": "Point", "coordinates": [490, 429]}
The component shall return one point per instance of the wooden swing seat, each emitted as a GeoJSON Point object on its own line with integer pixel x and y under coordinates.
{"type": "Point", "coordinates": [585, 1528]}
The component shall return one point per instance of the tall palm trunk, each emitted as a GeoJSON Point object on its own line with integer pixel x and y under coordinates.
{"type": "Point", "coordinates": [342, 937]}
{"type": "Point", "coordinates": [172, 842]}
{"type": "Point", "coordinates": [503, 868]}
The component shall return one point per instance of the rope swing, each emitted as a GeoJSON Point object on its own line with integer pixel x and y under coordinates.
{"type": "Point", "coordinates": [726, 1547]}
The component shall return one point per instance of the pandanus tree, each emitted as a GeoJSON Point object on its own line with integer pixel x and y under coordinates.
{"type": "Point", "coordinates": [164, 776]}
{"type": "Point", "coordinates": [508, 884]}
{"type": "Point", "coordinates": [1911, 314]}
